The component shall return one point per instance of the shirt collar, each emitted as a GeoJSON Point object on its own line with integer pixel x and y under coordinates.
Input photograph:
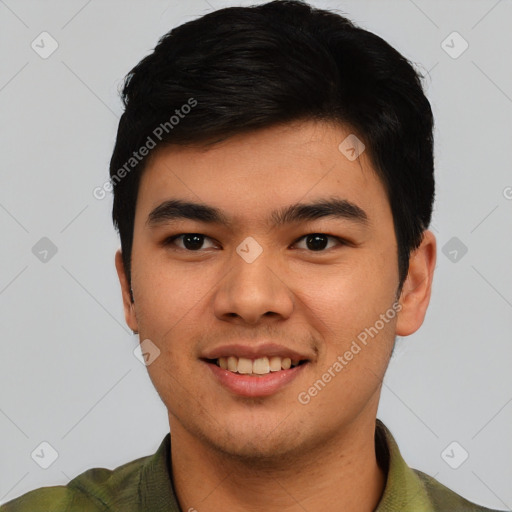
{"type": "Point", "coordinates": [156, 488]}
{"type": "Point", "coordinates": [403, 490]}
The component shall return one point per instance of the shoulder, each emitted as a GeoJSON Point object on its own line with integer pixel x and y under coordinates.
{"type": "Point", "coordinates": [95, 490]}
{"type": "Point", "coordinates": [444, 499]}
{"type": "Point", "coordinates": [411, 489]}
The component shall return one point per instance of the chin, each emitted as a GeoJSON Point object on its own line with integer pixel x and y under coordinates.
{"type": "Point", "coordinates": [263, 443]}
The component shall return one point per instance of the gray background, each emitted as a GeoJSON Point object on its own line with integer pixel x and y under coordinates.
{"type": "Point", "coordinates": [68, 373]}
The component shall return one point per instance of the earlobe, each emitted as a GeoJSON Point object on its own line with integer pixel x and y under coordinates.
{"type": "Point", "coordinates": [128, 305]}
{"type": "Point", "coordinates": [415, 295]}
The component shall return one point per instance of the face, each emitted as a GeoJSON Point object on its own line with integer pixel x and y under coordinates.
{"type": "Point", "coordinates": [254, 276]}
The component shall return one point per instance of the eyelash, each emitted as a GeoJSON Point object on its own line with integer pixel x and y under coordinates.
{"type": "Point", "coordinates": [170, 240]}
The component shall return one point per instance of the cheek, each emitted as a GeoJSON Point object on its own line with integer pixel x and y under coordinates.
{"type": "Point", "coordinates": [350, 298]}
{"type": "Point", "coordinates": [166, 292]}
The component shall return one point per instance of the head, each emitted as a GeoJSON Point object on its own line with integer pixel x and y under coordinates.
{"type": "Point", "coordinates": [259, 126]}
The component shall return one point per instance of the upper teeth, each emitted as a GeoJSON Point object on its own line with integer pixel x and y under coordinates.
{"type": "Point", "coordinates": [259, 366]}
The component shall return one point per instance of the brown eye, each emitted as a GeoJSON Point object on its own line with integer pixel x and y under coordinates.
{"type": "Point", "coordinates": [188, 241]}
{"type": "Point", "coordinates": [317, 241]}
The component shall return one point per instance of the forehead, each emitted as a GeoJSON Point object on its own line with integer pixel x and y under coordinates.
{"type": "Point", "coordinates": [249, 175]}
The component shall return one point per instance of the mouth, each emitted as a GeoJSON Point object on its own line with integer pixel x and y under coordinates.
{"type": "Point", "coordinates": [262, 376]}
{"type": "Point", "coordinates": [255, 367]}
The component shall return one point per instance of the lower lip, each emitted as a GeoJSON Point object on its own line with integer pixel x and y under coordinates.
{"type": "Point", "coordinates": [245, 385]}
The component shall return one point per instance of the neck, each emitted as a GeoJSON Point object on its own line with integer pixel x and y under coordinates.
{"type": "Point", "coordinates": [341, 474]}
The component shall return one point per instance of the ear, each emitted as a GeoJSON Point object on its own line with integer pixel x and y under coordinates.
{"type": "Point", "coordinates": [128, 305]}
{"type": "Point", "coordinates": [415, 295]}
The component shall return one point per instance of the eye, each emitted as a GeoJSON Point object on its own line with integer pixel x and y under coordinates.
{"type": "Point", "coordinates": [315, 242]}
{"type": "Point", "coordinates": [318, 241]}
{"type": "Point", "coordinates": [188, 241]}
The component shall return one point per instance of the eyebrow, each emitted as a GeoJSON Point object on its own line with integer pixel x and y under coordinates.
{"type": "Point", "coordinates": [176, 209]}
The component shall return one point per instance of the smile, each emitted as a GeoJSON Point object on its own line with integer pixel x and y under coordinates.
{"type": "Point", "coordinates": [256, 367]}
{"type": "Point", "coordinates": [244, 379]}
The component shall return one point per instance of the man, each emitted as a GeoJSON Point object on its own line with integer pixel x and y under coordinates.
{"type": "Point", "coordinates": [273, 187]}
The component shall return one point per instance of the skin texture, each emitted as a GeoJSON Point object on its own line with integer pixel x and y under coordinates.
{"type": "Point", "coordinates": [271, 453]}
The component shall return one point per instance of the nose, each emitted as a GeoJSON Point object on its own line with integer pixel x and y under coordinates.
{"type": "Point", "coordinates": [252, 291]}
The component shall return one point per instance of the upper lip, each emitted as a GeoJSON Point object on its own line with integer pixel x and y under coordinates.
{"type": "Point", "coordinates": [253, 351]}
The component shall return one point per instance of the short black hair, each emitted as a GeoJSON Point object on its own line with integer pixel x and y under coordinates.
{"type": "Point", "coordinates": [239, 69]}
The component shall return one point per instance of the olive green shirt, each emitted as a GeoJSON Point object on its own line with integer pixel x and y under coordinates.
{"type": "Point", "coordinates": [146, 484]}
